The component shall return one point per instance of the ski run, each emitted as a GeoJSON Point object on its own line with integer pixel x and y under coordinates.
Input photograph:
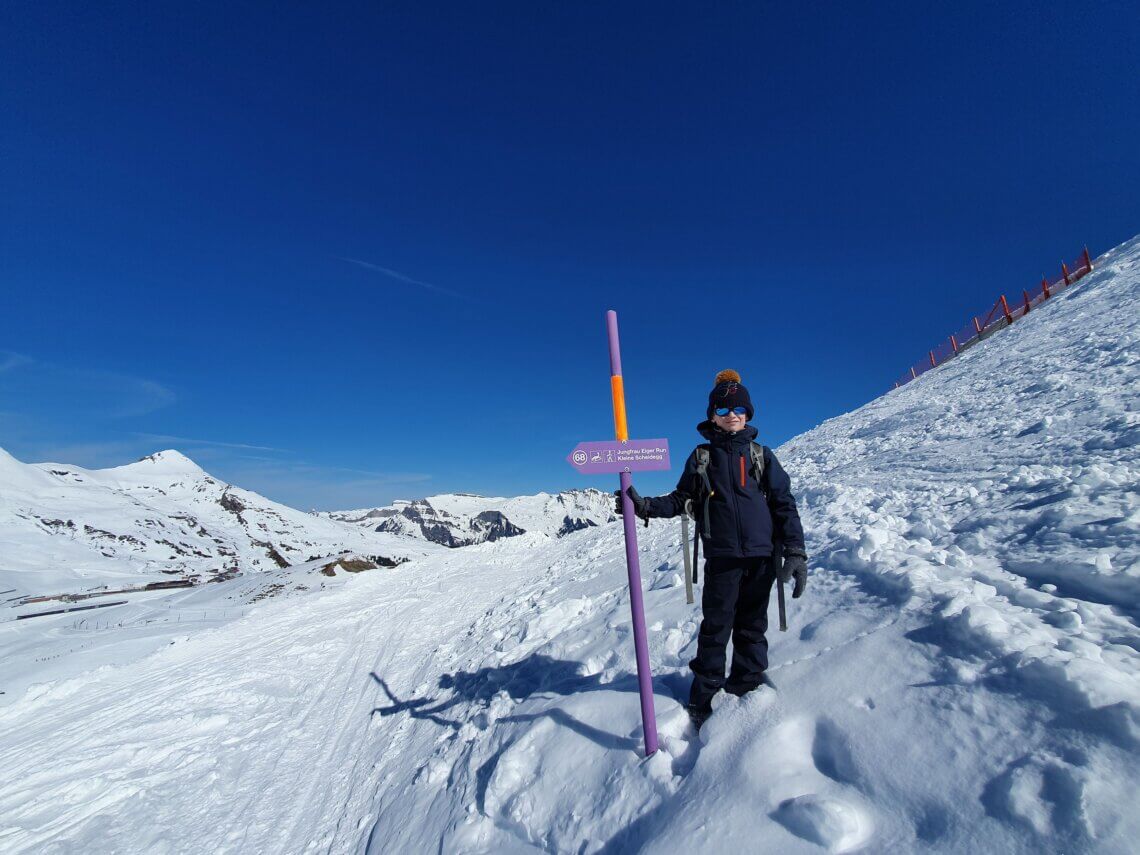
{"type": "Point", "coordinates": [962, 675]}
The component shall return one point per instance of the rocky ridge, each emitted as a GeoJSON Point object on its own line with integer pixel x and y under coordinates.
{"type": "Point", "coordinates": [463, 519]}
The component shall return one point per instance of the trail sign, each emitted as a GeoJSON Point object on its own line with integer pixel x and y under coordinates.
{"type": "Point", "coordinates": [625, 456]}
{"type": "Point", "coordinates": [633, 455]}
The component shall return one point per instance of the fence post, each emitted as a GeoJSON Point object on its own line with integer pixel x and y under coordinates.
{"type": "Point", "coordinates": [1045, 286]}
{"type": "Point", "coordinates": [977, 326]}
{"type": "Point", "coordinates": [1065, 273]}
{"type": "Point", "coordinates": [933, 364]}
{"type": "Point", "coordinates": [1088, 261]}
{"type": "Point", "coordinates": [913, 375]}
{"type": "Point", "coordinates": [1026, 293]}
{"type": "Point", "coordinates": [954, 343]}
{"type": "Point", "coordinates": [1005, 309]}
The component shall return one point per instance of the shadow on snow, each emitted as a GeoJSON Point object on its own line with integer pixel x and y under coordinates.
{"type": "Point", "coordinates": [535, 675]}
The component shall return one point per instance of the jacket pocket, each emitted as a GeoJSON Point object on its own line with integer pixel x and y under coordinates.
{"type": "Point", "coordinates": [722, 533]}
{"type": "Point", "coordinates": [756, 526]}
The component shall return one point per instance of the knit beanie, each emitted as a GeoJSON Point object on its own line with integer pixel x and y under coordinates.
{"type": "Point", "coordinates": [728, 391]}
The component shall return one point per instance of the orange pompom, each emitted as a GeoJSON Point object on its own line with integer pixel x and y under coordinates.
{"type": "Point", "coordinates": [726, 376]}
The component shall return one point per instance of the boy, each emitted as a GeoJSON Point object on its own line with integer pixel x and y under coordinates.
{"type": "Point", "coordinates": [751, 533]}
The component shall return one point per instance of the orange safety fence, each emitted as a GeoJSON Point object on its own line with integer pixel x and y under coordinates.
{"type": "Point", "coordinates": [1004, 312]}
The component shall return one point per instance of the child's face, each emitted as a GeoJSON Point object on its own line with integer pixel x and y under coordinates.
{"type": "Point", "coordinates": [731, 423]}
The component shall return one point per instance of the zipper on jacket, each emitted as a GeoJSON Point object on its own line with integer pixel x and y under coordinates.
{"type": "Point", "coordinates": [736, 514]}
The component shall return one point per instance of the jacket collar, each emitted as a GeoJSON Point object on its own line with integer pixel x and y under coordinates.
{"type": "Point", "coordinates": [716, 436]}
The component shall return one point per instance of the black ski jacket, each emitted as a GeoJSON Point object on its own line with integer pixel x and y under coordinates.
{"type": "Point", "coordinates": [742, 523]}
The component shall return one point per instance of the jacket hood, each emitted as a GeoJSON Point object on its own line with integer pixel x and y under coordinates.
{"type": "Point", "coordinates": [714, 434]}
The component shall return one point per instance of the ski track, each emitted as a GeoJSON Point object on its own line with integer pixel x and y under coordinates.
{"type": "Point", "coordinates": [294, 719]}
{"type": "Point", "coordinates": [299, 719]}
{"type": "Point", "coordinates": [293, 713]}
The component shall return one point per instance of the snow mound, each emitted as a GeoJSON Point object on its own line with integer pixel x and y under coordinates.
{"type": "Point", "coordinates": [1001, 491]}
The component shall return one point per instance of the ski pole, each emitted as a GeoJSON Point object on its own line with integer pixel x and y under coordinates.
{"type": "Point", "coordinates": [688, 561]}
{"type": "Point", "coordinates": [783, 607]}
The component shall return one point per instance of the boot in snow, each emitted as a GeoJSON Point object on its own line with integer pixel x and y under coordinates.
{"type": "Point", "coordinates": [699, 714]}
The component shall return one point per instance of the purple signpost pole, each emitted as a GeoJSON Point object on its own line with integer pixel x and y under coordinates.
{"type": "Point", "coordinates": [636, 603]}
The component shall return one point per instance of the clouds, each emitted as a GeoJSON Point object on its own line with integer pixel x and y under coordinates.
{"type": "Point", "coordinates": [136, 396]}
{"type": "Point", "coordinates": [182, 440]}
{"type": "Point", "coordinates": [272, 472]}
{"type": "Point", "coordinates": [400, 277]}
{"type": "Point", "coordinates": [74, 414]}
{"type": "Point", "coordinates": [89, 455]}
{"type": "Point", "coordinates": [278, 474]}
{"type": "Point", "coordinates": [306, 485]}
{"type": "Point", "coordinates": [89, 417]}
{"type": "Point", "coordinates": [10, 361]}
{"type": "Point", "coordinates": [77, 392]}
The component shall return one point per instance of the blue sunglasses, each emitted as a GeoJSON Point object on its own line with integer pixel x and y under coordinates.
{"type": "Point", "coordinates": [724, 411]}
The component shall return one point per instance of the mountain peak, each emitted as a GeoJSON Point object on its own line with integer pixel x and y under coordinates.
{"type": "Point", "coordinates": [170, 460]}
{"type": "Point", "coordinates": [167, 467]}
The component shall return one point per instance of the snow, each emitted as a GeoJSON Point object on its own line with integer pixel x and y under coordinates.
{"type": "Point", "coordinates": [170, 466]}
{"type": "Point", "coordinates": [66, 529]}
{"type": "Point", "coordinates": [961, 675]}
{"type": "Point", "coordinates": [91, 539]}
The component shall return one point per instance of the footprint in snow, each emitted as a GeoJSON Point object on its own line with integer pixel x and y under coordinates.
{"type": "Point", "coordinates": [834, 824]}
{"type": "Point", "coordinates": [803, 768]}
{"type": "Point", "coordinates": [830, 814]}
{"type": "Point", "coordinates": [1044, 793]}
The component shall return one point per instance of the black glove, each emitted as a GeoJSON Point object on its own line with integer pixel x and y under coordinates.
{"type": "Point", "coordinates": [795, 567]}
{"type": "Point", "coordinates": [640, 506]}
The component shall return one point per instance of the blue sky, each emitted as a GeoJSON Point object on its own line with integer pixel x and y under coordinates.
{"type": "Point", "coordinates": [343, 255]}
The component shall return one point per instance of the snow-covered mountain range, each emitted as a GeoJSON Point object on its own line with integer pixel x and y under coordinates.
{"type": "Point", "coordinates": [962, 675]}
{"type": "Point", "coordinates": [461, 519]}
{"type": "Point", "coordinates": [64, 528]}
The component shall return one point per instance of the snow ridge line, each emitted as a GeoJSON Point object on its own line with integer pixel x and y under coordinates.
{"type": "Point", "coordinates": [997, 318]}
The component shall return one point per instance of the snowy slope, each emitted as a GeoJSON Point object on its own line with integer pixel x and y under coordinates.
{"type": "Point", "coordinates": [64, 528]}
{"type": "Point", "coordinates": [461, 519]}
{"type": "Point", "coordinates": [92, 540]}
{"type": "Point", "coordinates": [962, 675]}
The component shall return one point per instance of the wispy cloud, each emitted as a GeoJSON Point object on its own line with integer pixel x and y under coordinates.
{"type": "Point", "coordinates": [10, 360]}
{"type": "Point", "coordinates": [160, 437]}
{"type": "Point", "coordinates": [299, 484]}
{"type": "Point", "coordinates": [89, 455]}
{"type": "Point", "coordinates": [379, 477]}
{"type": "Point", "coordinates": [398, 276]}
{"type": "Point", "coordinates": [79, 391]}
{"type": "Point", "coordinates": [324, 470]}
{"type": "Point", "coordinates": [140, 396]}
{"type": "Point", "coordinates": [306, 485]}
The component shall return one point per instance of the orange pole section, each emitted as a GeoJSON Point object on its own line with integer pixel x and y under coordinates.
{"type": "Point", "coordinates": [954, 343]}
{"type": "Point", "coordinates": [1005, 308]}
{"type": "Point", "coordinates": [1065, 273]}
{"type": "Point", "coordinates": [621, 426]}
{"type": "Point", "coordinates": [1088, 261]}
{"type": "Point", "coordinates": [1045, 287]}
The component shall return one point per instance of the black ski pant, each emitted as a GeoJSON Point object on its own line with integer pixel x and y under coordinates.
{"type": "Point", "coordinates": [734, 603]}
